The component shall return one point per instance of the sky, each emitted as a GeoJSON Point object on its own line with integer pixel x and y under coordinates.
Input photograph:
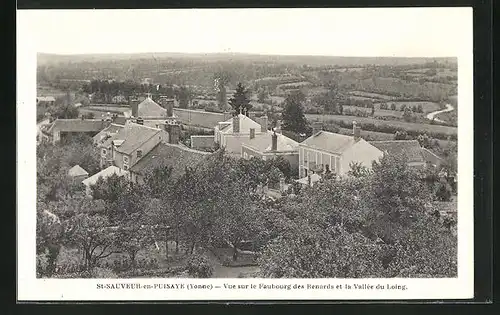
{"type": "Point", "coordinates": [401, 32]}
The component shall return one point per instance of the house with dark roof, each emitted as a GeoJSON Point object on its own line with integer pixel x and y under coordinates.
{"type": "Point", "coordinates": [325, 152]}
{"type": "Point", "coordinates": [62, 128]}
{"type": "Point", "coordinates": [418, 157]}
{"type": "Point", "coordinates": [130, 144]}
{"type": "Point", "coordinates": [270, 144]}
{"type": "Point", "coordinates": [177, 156]}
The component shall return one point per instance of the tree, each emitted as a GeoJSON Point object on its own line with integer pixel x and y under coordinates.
{"type": "Point", "coordinates": [109, 189]}
{"type": "Point", "coordinates": [358, 170]}
{"type": "Point", "coordinates": [134, 236]}
{"type": "Point", "coordinates": [158, 180]}
{"type": "Point", "coordinates": [240, 101]}
{"type": "Point", "coordinates": [293, 113]}
{"type": "Point", "coordinates": [262, 95]}
{"type": "Point", "coordinates": [407, 114]}
{"type": "Point", "coordinates": [49, 235]}
{"type": "Point", "coordinates": [184, 97]}
{"type": "Point", "coordinates": [92, 234]}
{"type": "Point", "coordinates": [393, 106]}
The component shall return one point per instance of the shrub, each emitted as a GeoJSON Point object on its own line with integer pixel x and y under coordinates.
{"type": "Point", "coordinates": [199, 266]}
{"type": "Point", "coordinates": [443, 191]}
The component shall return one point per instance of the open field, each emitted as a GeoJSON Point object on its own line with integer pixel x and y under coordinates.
{"type": "Point", "coordinates": [371, 95]}
{"type": "Point", "coordinates": [396, 124]}
{"type": "Point", "coordinates": [294, 85]}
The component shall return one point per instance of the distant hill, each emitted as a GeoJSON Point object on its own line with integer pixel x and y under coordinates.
{"type": "Point", "coordinates": [44, 58]}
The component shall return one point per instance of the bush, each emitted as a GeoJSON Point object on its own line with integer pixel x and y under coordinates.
{"type": "Point", "coordinates": [199, 266]}
{"type": "Point", "coordinates": [443, 191]}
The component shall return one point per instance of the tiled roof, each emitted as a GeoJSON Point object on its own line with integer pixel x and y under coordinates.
{"type": "Point", "coordinates": [134, 135]}
{"type": "Point", "coordinates": [108, 131]}
{"type": "Point", "coordinates": [410, 148]}
{"type": "Point", "coordinates": [245, 125]}
{"type": "Point", "coordinates": [78, 125]}
{"type": "Point", "coordinates": [329, 141]}
{"type": "Point", "coordinates": [77, 170]}
{"type": "Point", "coordinates": [149, 108]}
{"type": "Point", "coordinates": [263, 142]}
{"type": "Point", "coordinates": [104, 174]}
{"type": "Point", "coordinates": [164, 154]}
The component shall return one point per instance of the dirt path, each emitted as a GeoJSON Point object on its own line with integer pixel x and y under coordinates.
{"type": "Point", "coordinates": [432, 116]}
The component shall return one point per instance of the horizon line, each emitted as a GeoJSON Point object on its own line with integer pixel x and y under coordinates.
{"type": "Point", "coordinates": [239, 53]}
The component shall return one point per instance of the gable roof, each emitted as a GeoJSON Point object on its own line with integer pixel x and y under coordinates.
{"type": "Point", "coordinates": [105, 173]}
{"type": "Point", "coordinates": [165, 154]}
{"type": "Point", "coordinates": [77, 170]}
{"type": "Point", "coordinates": [329, 141]}
{"type": "Point", "coordinates": [245, 125]}
{"type": "Point", "coordinates": [410, 148]}
{"type": "Point", "coordinates": [133, 136]}
{"type": "Point", "coordinates": [263, 142]}
{"type": "Point", "coordinates": [149, 108]}
{"type": "Point", "coordinates": [78, 125]}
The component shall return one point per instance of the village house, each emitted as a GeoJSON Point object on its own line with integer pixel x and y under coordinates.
{"type": "Point", "coordinates": [127, 146]}
{"type": "Point", "coordinates": [418, 157]}
{"type": "Point", "coordinates": [233, 133]}
{"type": "Point", "coordinates": [176, 156]}
{"type": "Point", "coordinates": [327, 152]}
{"type": "Point", "coordinates": [270, 144]}
{"type": "Point", "coordinates": [62, 128]}
{"type": "Point", "coordinates": [151, 113]}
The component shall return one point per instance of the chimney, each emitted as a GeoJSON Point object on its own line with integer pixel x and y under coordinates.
{"type": "Point", "coordinates": [236, 124]}
{"type": "Point", "coordinates": [263, 123]}
{"type": "Point", "coordinates": [168, 105]}
{"type": "Point", "coordinates": [174, 132]}
{"type": "Point", "coordinates": [274, 142]}
{"type": "Point", "coordinates": [252, 133]}
{"type": "Point", "coordinates": [134, 104]}
{"type": "Point", "coordinates": [356, 130]}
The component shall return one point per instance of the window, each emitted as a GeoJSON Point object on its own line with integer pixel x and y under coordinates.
{"type": "Point", "coordinates": [125, 162]}
{"type": "Point", "coordinates": [104, 151]}
{"type": "Point", "coordinates": [139, 154]}
{"type": "Point", "coordinates": [245, 155]}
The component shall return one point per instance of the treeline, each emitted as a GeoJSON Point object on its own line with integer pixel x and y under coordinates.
{"type": "Point", "coordinates": [121, 92]}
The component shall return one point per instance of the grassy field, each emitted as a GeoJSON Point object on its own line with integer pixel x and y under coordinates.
{"type": "Point", "coordinates": [398, 124]}
{"type": "Point", "coordinates": [371, 95]}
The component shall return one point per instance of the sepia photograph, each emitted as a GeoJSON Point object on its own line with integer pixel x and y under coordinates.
{"type": "Point", "coordinates": [248, 144]}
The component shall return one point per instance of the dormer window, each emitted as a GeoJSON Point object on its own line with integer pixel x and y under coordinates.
{"type": "Point", "coordinates": [139, 154]}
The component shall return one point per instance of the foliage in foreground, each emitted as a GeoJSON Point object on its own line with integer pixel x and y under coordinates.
{"type": "Point", "coordinates": [378, 225]}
